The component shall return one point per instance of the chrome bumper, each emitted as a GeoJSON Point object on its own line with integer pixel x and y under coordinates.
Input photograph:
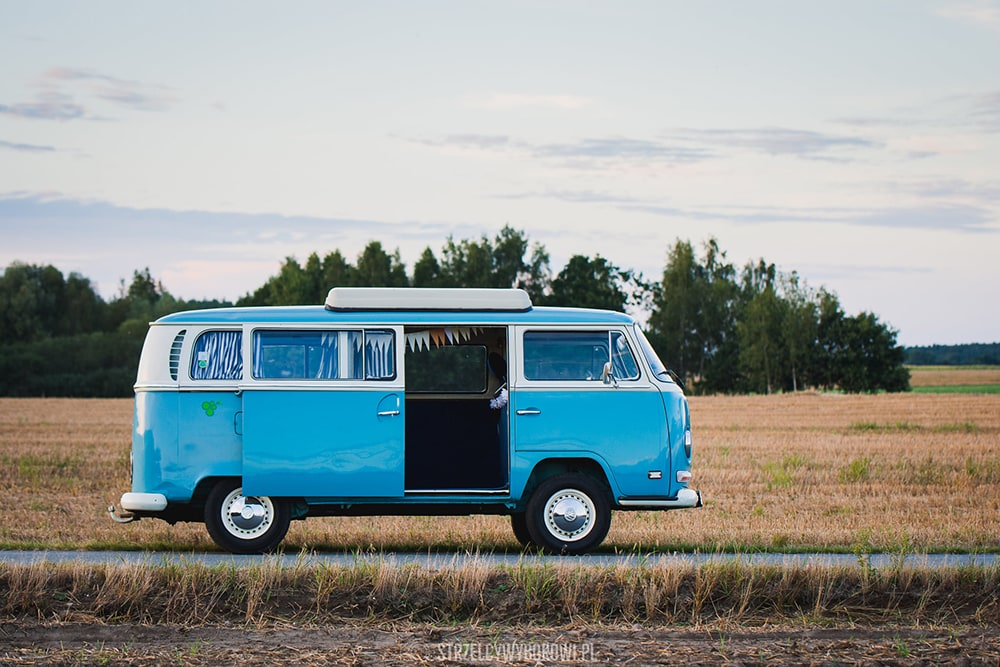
{"type": "Point", "coordinates": [137, 502]}
{"type": "Point", "coordinates": [685, 498]}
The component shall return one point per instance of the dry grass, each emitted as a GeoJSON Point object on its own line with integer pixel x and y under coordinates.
{"type": "Point", "coordinates": [953, 376]}
{"type": "Point", "coordinates": [726, 593]}
{"type": "Point", "coordinates": [827, 471]}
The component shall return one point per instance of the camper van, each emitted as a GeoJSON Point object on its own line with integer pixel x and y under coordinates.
{"type": "Point", "coordinates": [405, 401]}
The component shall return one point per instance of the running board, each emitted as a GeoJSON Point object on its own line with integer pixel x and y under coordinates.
{"type": "Point", "coordinates": [456, 492]}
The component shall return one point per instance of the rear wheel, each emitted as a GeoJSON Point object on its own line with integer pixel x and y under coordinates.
{"type": "Point", "coordinates": [245, 524]}
{"type": "Point", "coordinates": [568, 514]}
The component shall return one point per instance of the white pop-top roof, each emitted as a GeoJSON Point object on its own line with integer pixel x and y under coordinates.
{"type": "Point", "coordinates": [427, 298]}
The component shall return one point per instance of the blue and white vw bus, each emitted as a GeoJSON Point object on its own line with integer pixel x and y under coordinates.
{"type": "Point", "coordinates": [405, 401]}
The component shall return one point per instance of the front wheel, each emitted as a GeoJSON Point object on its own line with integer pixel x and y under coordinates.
{"type": "Point", "coordinates": [568, 514]}
{"type": "Point", "coordinates": [245, 524]}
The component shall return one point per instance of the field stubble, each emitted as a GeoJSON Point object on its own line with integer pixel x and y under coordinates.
{"type": "Point", "coordinates": [785, 472]}
{"type": "Point", "coordinates": [805, 471]}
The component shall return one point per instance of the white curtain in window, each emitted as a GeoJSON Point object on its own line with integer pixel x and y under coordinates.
{"type": "Point", "coordinates": [378, 354]}
{"type": "Point", "coordinates": [218, 355]}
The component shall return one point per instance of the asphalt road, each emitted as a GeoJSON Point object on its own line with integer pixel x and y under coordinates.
{"type": "Point", "coordinates": [456, 560]}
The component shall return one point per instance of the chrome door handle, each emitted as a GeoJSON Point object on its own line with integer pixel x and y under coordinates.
{"type": "Point", "coordinates": [389, 413]}
{"type": "Point", "coordinates": [530, 411]}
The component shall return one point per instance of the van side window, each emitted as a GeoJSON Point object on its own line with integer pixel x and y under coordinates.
{"type": "Point", "coordinates": [323, 355]}
{"type": "Point", "coordinates": [218, 355]}
{"type": "Point", "coordinates": [380, 355]}
{"type": "Point", "coordinates": [576, 355]}
{"type": "Point", "coordinates": [622, 359]}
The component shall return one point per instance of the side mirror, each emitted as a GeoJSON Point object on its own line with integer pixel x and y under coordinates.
{"type": "Point", "coordinates": [608, 374]}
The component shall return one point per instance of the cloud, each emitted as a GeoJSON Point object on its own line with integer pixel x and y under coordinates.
{"type": "Point", "coordinates": [805, 144]}
{"type": "Point", "coordinates": [107, 242]}
{"type": "Point", "coordinates": [120, 92]}
{"type": "Point", "coordinates": [951, 190]}
{"type": "Point", "coordinates": [47, 106]}
{"type": "Point", "coordinates": [506, 101]}
{"type": "Point", "coordinates": [621, 149]}
{"type": "Point", "coordinates": [954, 217]}
{"type": "Point", "coordinates": [841, 272]}
{"type": "Point", "coordinates": [26, 148]}
{"type": "Point", "coordinates": [985, 14]}
{"type": "Point", "coordinates": [944, 217]}
{"type": "Point", "coordinates": [682, 146]}
{"type": "Point", "coordinates": [483, 142]}
{"type": "Point", "coordinates": [59, 87]}
{"type": "Point", "coordinates": [966, 112]}
{"type": "Point", "coordinates": [584, 153]}
{"type": "Point", "coordinates": [986, 111]}
{"type": "Point", "coordinates": [573, 196]}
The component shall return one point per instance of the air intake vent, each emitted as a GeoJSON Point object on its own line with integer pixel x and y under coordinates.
{"type": "Point", "coordinates": [175, 353]}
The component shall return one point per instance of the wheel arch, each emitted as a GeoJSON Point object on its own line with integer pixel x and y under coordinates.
{"type": "Point", "coordinates": [550, 467]}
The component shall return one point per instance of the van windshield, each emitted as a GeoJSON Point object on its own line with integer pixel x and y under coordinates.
{"type": "Point", "coordinates": [659, 370]}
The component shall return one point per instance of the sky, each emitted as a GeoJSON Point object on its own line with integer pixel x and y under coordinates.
{"type": "Point", "coordinates": [856, 142]}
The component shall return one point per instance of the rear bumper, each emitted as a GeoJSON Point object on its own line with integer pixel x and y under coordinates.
{"type": "Point", "coordinates": [685, 498]}
{"type": "Point", "coordinates": [144, 502]}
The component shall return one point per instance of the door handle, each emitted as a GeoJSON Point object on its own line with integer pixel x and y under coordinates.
{"type": "Point", "coordinates": [388, 413]}
{"type": "Point", "coordinates": [529, 411]}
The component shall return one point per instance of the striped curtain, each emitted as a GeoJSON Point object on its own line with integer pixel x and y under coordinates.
{"type": "Point", "coordinates": [328, 357]}
{"type": "Point", "coordinates": [218, 355]}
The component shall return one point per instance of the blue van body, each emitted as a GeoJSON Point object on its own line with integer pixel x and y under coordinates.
{"type": "Point", "coordinates": [401, 402]}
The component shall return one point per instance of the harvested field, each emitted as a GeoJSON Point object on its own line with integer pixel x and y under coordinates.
{"type": "Point", "coordinates": [379, 614]}
{"type": "Point", "coordinates": [944, 376]}
{"type": "Point", "coordinates": [786, 472]}
{"type": "Point", "coordinates": [806, 471]}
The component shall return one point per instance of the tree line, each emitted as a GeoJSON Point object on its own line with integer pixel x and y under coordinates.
{"type": "Point", "coordinates": [58, 337]}
{"type": "Point", "coordinates": [969, 354]}
{"type": "Point", "coordinates": [721, 328]}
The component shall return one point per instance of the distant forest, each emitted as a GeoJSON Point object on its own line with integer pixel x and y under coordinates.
{"type": "Point", "coordinates": [972, 354]}
{"type": "Point", "coordinates": [722, 328]}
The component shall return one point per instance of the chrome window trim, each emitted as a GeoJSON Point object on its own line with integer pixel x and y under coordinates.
{"type": "Point", "coordinates": [187, 358]}
{"type": "Point", "coordinates": [641, 381]}
{"type": "Point", "coordinates": [329, 383]}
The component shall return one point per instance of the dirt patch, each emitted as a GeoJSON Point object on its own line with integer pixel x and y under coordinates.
{"type": "Point", "coordinates": [414, 644]}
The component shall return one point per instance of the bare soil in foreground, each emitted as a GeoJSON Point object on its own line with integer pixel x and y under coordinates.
{"type": "Point", "coordinates": [421, 644]}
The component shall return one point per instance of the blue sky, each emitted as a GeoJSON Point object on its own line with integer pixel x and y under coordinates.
{"type": "Point", "coordinates": [856, 142]}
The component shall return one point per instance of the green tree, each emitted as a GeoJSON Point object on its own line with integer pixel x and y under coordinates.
{"type": "Point", "coordinates": [589, 283]}
{"type": "Point", "coordinates": [427, 271]}
{"type": "Point", "coordinates": [499, 263]}
{"type": "Point", "coordinates": [693, 318]}
{"type": "Point", "coordinates": [676, 306]}
{"type": "Point", "coordinates": [315, 281]}
{"type": "Point", "coordinates": [870, 359]}
{"type": "Point", "coordinates": [376, 268]}
{"type": "Point", "coordinates": [31, 302]}
{"type": "Point", "coordinates": [337, 272]}
{"type": "Point", "coordinates": [759, 329]}
{"type": "Point", "coordinates": [800, 327]}
{"type": "Point", "coordinates": [718, 358]}
{"type": "Point", "coordinates": [84, 311]}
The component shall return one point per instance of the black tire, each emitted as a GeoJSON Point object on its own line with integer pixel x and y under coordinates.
{"type": "Point", "coordinates": [569, 514]}
{"type": "Point", "coordinates": [519, 523]}
{"type": "Point", "coordinates": [245, 525]}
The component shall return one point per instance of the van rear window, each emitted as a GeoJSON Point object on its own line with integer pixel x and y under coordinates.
{"type": "Point", "coordinates": [218, 355]}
